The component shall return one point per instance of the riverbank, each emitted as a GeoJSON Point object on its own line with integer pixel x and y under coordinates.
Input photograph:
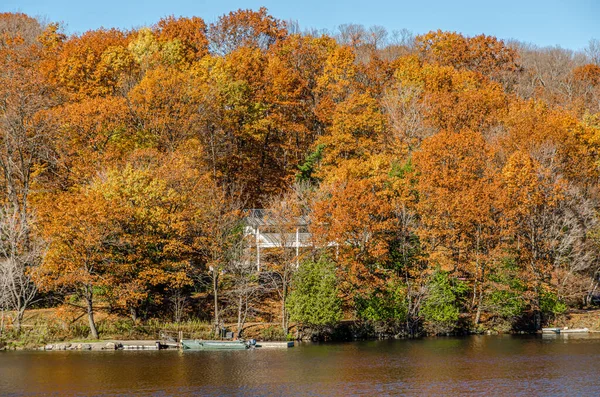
{"type": "Point", "coordinates": [589, 319]}
{"type": "Point", "coordinates": [45, 329]}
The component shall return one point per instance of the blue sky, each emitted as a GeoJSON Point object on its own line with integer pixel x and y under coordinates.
{"type": "Point", "coordinates": [568, 23]}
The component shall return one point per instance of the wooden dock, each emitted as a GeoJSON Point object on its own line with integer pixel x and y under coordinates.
{"type": "Point", "coordinates": [112, 345]}
{"type": "Point", "coordinates": [144, 345]}
{"type": "Point", "coordinates": [275, 345]}
{"type": "Point", "coordinates": [565, 330]}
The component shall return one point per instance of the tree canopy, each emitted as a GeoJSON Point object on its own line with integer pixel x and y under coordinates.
{"type": "Point", "coordinates": [431, 170]}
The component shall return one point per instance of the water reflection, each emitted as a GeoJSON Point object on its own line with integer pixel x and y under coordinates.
{"type": "Point", "coordinates": [480, 365]}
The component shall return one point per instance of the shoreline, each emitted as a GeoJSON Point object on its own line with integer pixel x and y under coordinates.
{"type": "Point", "coordinates": [157, 345]}
{"type": "Point", "coordinates": [42, 332]}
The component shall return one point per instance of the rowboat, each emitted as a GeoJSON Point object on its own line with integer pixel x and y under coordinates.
{"type": "Point", "coordinates": [196, 344]}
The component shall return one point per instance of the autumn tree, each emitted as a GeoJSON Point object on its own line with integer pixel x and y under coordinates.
{"type": "Point", "coordinates": [25, 149]}
{"type": "Point", "coordinates": [84, 233]}
{"type": "Point", "coordinates": [245, 28]}
{"type": "Point", "coordinates": [189, 33]}
{"type": "Point", "coordinates": [531, 197]}
{"type": "Point", "coordinates": [483, 54]}
{"type": "Point", "coordinates": [21, 253]}
{"type": "Point", "coordinates": [164, 108]}
{"type": "Point", "coordinates": [354, 218]}
{"type": "Point", "coordinates": [88, 135]}
{"type": "Point", "coordinates": [19, 26]}
{"type": "Point", "coordinates": [457, 189]}
{"type": "Point", "coordinates": [156, 200]}
{"type": "Point", "coordinates": [91, 64]}
{"type": "Point", "coordinates": [587, 78]}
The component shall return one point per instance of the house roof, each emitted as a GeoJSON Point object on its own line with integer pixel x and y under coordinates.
{"type": "Point", "coordinates": [262, 217]}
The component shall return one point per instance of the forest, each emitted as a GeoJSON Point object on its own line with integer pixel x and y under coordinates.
{"type": "Point", "coordinates": [449, 183]}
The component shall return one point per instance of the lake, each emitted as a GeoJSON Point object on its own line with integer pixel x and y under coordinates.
{"type": "Point", "coordinates": [475, 365]}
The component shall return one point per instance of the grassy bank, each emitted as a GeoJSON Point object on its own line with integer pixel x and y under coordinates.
{"type": "Point", "coordinates": [49, 326]}
{"type": "Point", "coordinates": [44, 326]}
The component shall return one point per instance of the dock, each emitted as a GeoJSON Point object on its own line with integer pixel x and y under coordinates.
{"type": "Point", "coordinates": [565, 330]}
{"type": "Point", "coordinates": [112, 345]}
{"type": "Point", "coordinates": [143, 345]}
{"type": "Point", "coordinates": [275, 345]}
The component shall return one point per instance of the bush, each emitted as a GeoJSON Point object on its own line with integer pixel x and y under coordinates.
{"type": "Point", "coordinates": [504, 299]}
{"type": "Point", "coordinates": [551, 305]}
{"type": "Point", "coordinates": [386, 309]}
{"type": "Point", "coordinates": [505, 304]}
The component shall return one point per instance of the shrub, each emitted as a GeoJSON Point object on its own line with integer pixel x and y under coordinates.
{"type": "Point", "coordinates": [441, 308]}
{"type": "Point", "coordinates": [386, 308]}
{"type": "Point", "coordinates": [504, 299]}
{"type": "Point", "coordinates": [551, 305]}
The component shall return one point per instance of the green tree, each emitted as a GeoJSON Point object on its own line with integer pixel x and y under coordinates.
{"type": "Point", "coordinates": [504, 300]}
{"type": "Point", "coordinates": [310, 164]}
{"type": "Point", "coordinates": [314, 300]}
{"type": "Point", "coordinates": [442, 305]}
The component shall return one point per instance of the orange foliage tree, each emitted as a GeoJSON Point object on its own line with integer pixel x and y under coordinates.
{"type": "Point", "coordinates": [457, 191]}
{"type": "Point", "coordinates": [84, 237]}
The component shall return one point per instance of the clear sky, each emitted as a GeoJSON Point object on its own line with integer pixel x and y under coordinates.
{"type": "Point", "coordinates": [568, 23]}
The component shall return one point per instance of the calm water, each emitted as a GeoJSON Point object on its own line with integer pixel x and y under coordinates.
{"type": "Point", "coordinates": [478, 365]}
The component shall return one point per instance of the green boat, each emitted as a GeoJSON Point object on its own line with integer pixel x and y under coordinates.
{"type": "Point", "coordinates": [196, 344]}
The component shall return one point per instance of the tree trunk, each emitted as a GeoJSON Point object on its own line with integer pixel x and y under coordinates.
{"type": "Point", "coordinates": [239, 321]}
{"type": "Point", "coordinates": [476, 283]}
{"type": "Point", "coordinates": [133, 313]}
{"type": "Point", "coordinates": [245, 316]}
{"type": "Point", "coordinates": [480, 301]}
{"type": "Point", "coordinates": [284, 319]}
{"type": "Point", "coordinates": [537, 313]}
{"type": "Point", "coordinates": [478, 314]}
{"type": "Point", "coordinates": [90, 313]}
{"type": "Point", "coordinates": [537, 318]}
{"type": "Point", "coordinates": [216, 301]}
{"type": "Point", "coordinates": [19, 319]}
